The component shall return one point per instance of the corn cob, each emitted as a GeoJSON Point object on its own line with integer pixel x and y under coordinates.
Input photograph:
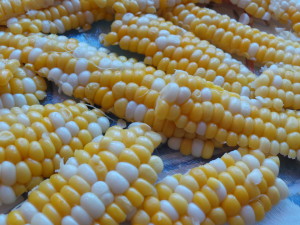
{"type": "Point", "coordinates": [73, 14]}
{"type": "Point", "coordinates": [34, 139]}
{"type": "Point", "coordinates": [280, 81]}
{"type": "Point", "coordinates": [216, 114]}
{"type": "Point", "coordinates": [131, 95]}
{"type": "Point", "coordinates": [11, 8]}
{"type": "Point", "coordinates": [60, 25]}
{"type": "Point", "coordinates": [235, 37]}
{"type": "Point", "coordinates": [13, 46]}
{"type": "Point", "coordinates": [59, 19]}
{"type": "Point", "coordinates": [104, 183]}
{"type": "Point", "coordinates": [59, 51]}
{"type": "Point", "coordinates": [168, 48]}
{"type": "Point", "coordinates": [287, 11]}
{"type": "Point", "coordinates": [237, 188]}
{"type": "Point", "coordinates": [19, 86]}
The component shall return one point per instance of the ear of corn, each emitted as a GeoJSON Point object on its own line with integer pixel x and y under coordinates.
{"type": "Point", "coordinates": [129, 95]}
{"type": "Point", "coordinates": [226, 118]}
{"type": "Point", "coordinates": [240, 186]}
{"type": "Point", "coordinates": [35, 139]}
{"type": "Point", "coordinates": [237, 188]}
{"type": "Point", "coordinates": [234, 37]}
{"type": "Point", "coordinates": [85, 189]}
{"type": "Point", "coordinates": [60, 18]}
{"type": "Point", "coordinates": [73, 14]}
{"type": "Point", "coordinates": [169, 48]}
{"type": "Point", "coordinates": [19, 86]}
{"type": "Point", "coordinates": [283, 11]}
{"type": "Point", "coordinates": [58, 51]}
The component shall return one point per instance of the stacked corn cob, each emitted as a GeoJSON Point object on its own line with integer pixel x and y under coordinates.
{"type": "Point", "coordinates": [58, 51]}
{"type": "Point", "coordinates": [60, 18]}
{"type": "Point", "coordinates": [131, 95]}
{"type": "Point", "coordinates": [178, 52]}
{"type": "Point", "coordinates": [219, 115]}
{"type": "Point", "coordinates": [143, 94]}
{"type": "Point", "coordinates": [19, 86]}
{"type": "Point", "coordinates": [74, 14]}
{"type": "Point", "coordinates": [168, 47]}
{"type": "Point", "coordinates": [171, 104]}
{"type": "Point", "coordinates": [234, 37]}
{"type": "Point", "coordinates": [85, 189]}
{"type": "Point", "coordinates": [237, 188]}
{"type": "Point", "coordinates": [34, 140]}
{"type": "Point", "coordinates": [286, 11]}
{"type": "Point", "coordinates": [78, 73]}
{"type": "Point", "coordinates": [266, 130]}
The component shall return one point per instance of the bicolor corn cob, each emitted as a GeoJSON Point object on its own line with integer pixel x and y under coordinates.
{"type": "Point", "coordinates": [35, 139]}
{"type": "Point", "coordinates": [217, 114]}
{"type": "Point", "coordinates": [237, 188]}
{"type": "Point", "coordinates": [58, 51]}
{"type": "Point", "coordinates": [130, 94]}
{"type": "Point", "coordinates": [73, 14]}
{"type": "Point", "coordinates": [19, 86]}
{"type": "Point", "coordinates": [106, 182]}
{"type": "Point", "coordinates": [234, 37]}
{"type": "Point", "coordinates": [11, 8]}
{"type": "Point", "coordinates": [60, 18]}
{"type": "Point", "coordinates": [280, 81]}
{"type": "Point", "coordinates": [284, 11]}
{"type": "Point", "coordinates": [168, 47]}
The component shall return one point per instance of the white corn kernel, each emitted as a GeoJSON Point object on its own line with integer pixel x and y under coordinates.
{"type": "Point", "coordinates": [116, 187]}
